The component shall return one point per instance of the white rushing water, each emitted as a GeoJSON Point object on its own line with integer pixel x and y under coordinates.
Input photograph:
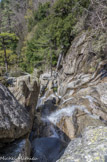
{"type": "Point", "coordinates": [56, 116]}
{"type": "Point", "coordinates": [40, 102]}
{"type": "Point", "coordinates": [44, 98]}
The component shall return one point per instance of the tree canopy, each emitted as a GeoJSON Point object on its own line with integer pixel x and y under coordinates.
{"type": "Point", "coordinates": [8, 44]}
{"type": "Point", "coordinates": [54, 24]}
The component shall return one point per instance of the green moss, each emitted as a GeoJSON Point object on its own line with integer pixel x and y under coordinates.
{"type": "Point", "coordinates": [55, 89]}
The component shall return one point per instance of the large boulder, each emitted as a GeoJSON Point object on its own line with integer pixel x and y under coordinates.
{"type": "Point", "coordinates": [91, 147]}
{"type": "Point", "coordinates": [14, 118]}
{"type": "Point", "coordinates": [26, 91]}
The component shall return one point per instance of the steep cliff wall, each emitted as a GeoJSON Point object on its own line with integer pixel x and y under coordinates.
{"type": "Point", "coordinates": [83, 76]}
{"type": "Point", "coordinates": [83, 84]}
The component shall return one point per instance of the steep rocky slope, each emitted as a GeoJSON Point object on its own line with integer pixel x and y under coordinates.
{"type": "Point", "coordinates": [78, 90]}
{"type": "Point", "coordinates": [82, 78]}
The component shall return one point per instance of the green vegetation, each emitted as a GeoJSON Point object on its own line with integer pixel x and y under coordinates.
{"type": "Point", "coordinates": [55, 89]}
{"type": "Point", "coordinates": [43, 34]}
{"type": "Point", "coordinates": [54, 31]}
{"type": "Point", "coordinates": [8, 42]}
{"type": "Point", "coordinates": [40, 14]}
{"type": "Point", "coordinates": [12, 27]}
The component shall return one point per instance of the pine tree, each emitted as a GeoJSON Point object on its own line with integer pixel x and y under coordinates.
{"type": "Point", "coordinates": [6, 17]}
{"type": "Point", "coordinates": [8, 41]}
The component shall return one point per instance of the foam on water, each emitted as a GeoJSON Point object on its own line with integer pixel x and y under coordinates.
{"type": "Point", "coordinates": [42, 99]}
{"type": "Point", "coordinates": [40, 102]}
{"type": "Point", "coordinates": [56, 116]}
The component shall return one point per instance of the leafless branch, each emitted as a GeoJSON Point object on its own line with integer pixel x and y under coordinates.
{"type": "Point", "coordinates": [100, 20]}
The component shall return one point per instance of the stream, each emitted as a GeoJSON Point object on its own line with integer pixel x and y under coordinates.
{"type": "Point", "coordinates": [48, 138]}
{"type": "Point", "coordinates": [49, 144]}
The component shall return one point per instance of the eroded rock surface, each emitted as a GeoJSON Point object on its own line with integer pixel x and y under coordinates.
{"type": "Point", "coordinates": [26, 91]}
{"type": "Point", "coordinates": [91, 147]}
{"type": "Point", "coordinates": [15, 121]}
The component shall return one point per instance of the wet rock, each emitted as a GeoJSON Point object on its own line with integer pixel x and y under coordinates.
{"type": "Point", "coordinates": [67, 126]}
{"type": "Point", "coordinates": [14, 118]}
{"type": "Point", "coordinates": [92, 98]}
{"type": "Point", "coordinates": [41, 126]}
{"type": "Point", "coordinates": [18, 151]}
{"type": "Point", "coordinates": [91, 147]}
{"type": "Point", "coordinates": [48, 107]}
{"type": "Point", "coordinates": [47, 149]}
{"type": "Point", "coordinates": [74, 118]}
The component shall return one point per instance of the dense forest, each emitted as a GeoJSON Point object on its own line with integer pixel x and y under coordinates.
{"type": "Point", "coordinates": [35, 37]}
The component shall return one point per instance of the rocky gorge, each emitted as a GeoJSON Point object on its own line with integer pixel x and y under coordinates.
{"type": "Point", "coordinates": [61, 116]}
{"type": "Point", "coordinates": [16, 120]}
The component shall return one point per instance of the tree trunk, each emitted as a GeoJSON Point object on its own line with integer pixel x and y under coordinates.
{"type": "Point", "coordinates": [5, 56]}
{"type": "Point", "coordinates": [51, 61]}
{"type": "Point", "coordinates": [59, 60]}
{"type": "Point", "coordinates": [5, 59]}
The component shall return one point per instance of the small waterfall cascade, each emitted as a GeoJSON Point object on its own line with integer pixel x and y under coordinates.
{"type": "Point", "coordinates": [55, 123]}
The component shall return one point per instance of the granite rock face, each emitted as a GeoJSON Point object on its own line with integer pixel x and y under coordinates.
{"type": "Point", "coordinates": [26, 91]}
{"type": "Point", "coordinates": [91, 147]}
{"type": "Point", "coordinates": [82, 80]}
{"type": "Point", "coordinates": [14, 119]}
